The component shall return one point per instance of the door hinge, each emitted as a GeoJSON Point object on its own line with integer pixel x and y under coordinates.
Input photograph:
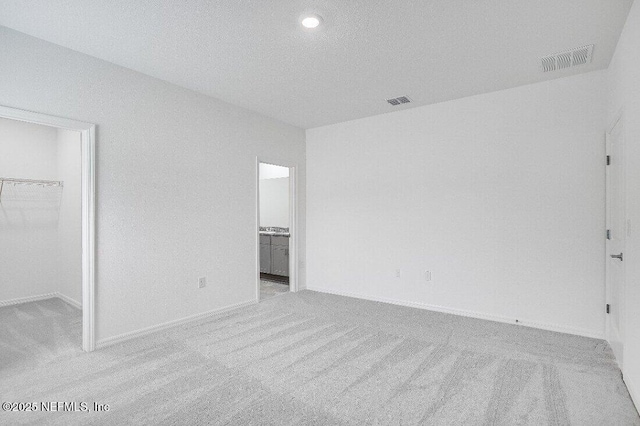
{"type": "Point", "coordinates": [608, 160]}
{"type": "Point", "coordinates": [608, 234]}
{"type": "Point", "coordinates": [608, 308]}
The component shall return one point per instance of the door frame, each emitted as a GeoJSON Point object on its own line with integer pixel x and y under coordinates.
{"type": "Point", "coordinates": [293, 220]}
{"type": "Point", "coordinates": [87, 134]}
{"type": "Point", "coordinates": [618, 120]}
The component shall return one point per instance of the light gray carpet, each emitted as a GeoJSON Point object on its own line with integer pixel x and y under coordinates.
{"type": "Point", "coordinates": [37, 333]}
{"type": "Point", "coordinates": [269, 289]}
{"type": "Point", "coordinates": [311, 358]}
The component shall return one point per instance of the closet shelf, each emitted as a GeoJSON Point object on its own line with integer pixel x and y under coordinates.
{"type": "Point", "coordinates": [30, 182]}
{"type": "Point", "coordinates": [30, 190]}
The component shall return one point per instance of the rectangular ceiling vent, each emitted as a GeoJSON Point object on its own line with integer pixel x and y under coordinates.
{"type": "Point", "coordinates": [569, 58]}
{"type": "Point", "coordinates": [399, 101]}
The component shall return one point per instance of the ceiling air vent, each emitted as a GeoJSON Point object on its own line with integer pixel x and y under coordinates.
{"type": "Point", "coordinates": [399, 101]}
{"type": "Point", "coordinates": [569, 58]}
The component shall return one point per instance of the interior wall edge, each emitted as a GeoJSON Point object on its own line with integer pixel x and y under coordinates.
{"type": "Point", "coordinates": [634, 392]}
{"type": "Point", "coordinates": [464, 313]}
{"type": "Point", "coordinates": [109, 341]}
{"type": "Point", "coordinates": [69, 300]}
{"type": "Point", "coordinates": [19, 300]}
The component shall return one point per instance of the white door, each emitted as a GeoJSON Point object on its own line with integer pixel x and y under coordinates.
{"type": "Point", "coordinates": [617, 232]}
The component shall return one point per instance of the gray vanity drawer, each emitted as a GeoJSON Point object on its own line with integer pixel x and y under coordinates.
{"type": "Point", "coordinates": [279, 241]}
{"type": "Point", "coordinates": [265, 239]}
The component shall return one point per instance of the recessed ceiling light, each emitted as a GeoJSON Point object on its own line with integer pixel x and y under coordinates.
{"type": "Point", "coordinates": [311, 21]}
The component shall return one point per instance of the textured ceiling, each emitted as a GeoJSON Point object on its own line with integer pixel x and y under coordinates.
{"type": "Point", "coordinates": [253, 53]}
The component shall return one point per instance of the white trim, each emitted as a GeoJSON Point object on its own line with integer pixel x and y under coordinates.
{"type": "Point", "coordinates": [169, 324]}
{"type": "Point", "coordinates": [88, 238]}
{"type": "Point", "coordinates": [257, 244]}
{"type": "Point", "coordinates": [69, 300]}
{"type": "Point", "coordinates": [615, 337]}
{"type": "Point", "coordinates": [87, 135]}
{"type": "Point", "coordinates": [633, 391]}
{"type": "Point", "coordinates": [464, 313]}
{"type": "Point", "coordinates": [54, 295]}
{"type": "Point", "coordinates": [293, 229]}
{"type": "Point", "coordinates": [19, 300]}
{"type": "Point", "coordinates": [43, 119]}
{"type": "Point", "coordinates": [293, 221]}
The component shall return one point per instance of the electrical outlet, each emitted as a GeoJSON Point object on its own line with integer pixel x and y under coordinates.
{"type": "Point", "coordinates": [398, 273]}
{"type": "Point", "coordinates": [202, 282]}
{"type": "Point", "coordinates": [427, 275]}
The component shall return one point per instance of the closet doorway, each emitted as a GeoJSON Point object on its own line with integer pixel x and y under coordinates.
{"type": "Point", "coordinates": [46, 233]}
{"type": "Point", "coordinates": [276, 223]}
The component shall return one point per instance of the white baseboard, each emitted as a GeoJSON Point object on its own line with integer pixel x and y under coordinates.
{"type": "Point", "coordinates": [69, 300]}
{"type": "Point", "coordinates": [19, 300]}
{"type": "Point", "coordinates": [53, 295]}
{"type": "Point", "coordinates": [633, 391]}
{"type": "Point", "coordinates": [169, 324]}
{"type": "Point", "coordinates": [464, 313]}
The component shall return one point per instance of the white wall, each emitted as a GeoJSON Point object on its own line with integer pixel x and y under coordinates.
{"type": "Point", "coordinates": [176, 176]}
{"type": "Point", "coordinates": [500, 196]}
{"type": "Point", "coordinates": [624, 95]}
{"type": "Point", "coordinates": [28, 230]}
{"type": "Point", "coordinates": [274, 202]}
{"type": "Point", "coordinates": [274, 195]}
{"type": "Point", "coordinates": [69, 165]}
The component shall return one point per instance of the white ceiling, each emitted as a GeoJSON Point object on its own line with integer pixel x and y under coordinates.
{"type": "Point", "coordinates": [253, 53]}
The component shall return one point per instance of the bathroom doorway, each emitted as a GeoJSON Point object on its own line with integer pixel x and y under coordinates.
{"type": "Point", "coordinates": [276, 214]}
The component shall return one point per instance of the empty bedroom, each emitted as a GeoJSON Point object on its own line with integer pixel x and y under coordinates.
{"type": "Point", "coordinates": [299, 212]}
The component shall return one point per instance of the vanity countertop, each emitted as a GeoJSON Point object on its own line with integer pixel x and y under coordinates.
{"type": "Point", "coordinates": [276, 234]}
{"type": "Point", "coordinates": [275, 231]}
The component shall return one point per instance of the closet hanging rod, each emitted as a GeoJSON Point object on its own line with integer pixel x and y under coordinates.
{"type": "Point", "coordinates": [31, 181]}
